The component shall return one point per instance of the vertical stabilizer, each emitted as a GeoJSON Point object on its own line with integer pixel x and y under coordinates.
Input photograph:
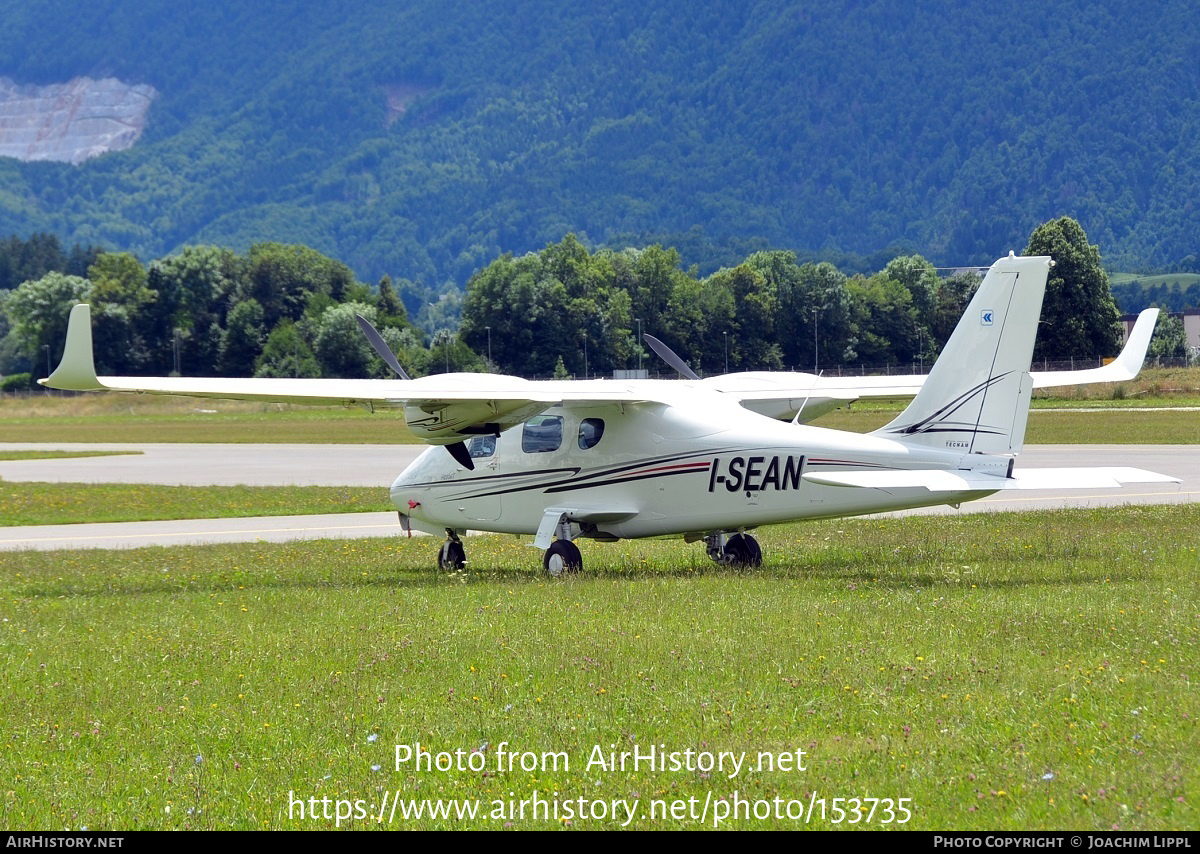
{"type": "Point", "coordinates": [976, 398]}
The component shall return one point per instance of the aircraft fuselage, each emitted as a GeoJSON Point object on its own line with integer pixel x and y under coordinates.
{"type": "Point", "coordinates": [653, 469]}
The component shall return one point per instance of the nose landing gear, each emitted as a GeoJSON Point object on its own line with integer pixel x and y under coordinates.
{"type": "Point", "coordinates": [452, 555]}
{"type": "Point", "coordinates": [740, 550]}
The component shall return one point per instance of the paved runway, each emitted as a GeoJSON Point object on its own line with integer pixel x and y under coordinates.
{"type": "Point", "coordinates": [377, 465]}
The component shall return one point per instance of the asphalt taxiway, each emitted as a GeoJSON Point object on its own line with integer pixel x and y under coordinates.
{"type": "Point", "coordinates": [377, 465]}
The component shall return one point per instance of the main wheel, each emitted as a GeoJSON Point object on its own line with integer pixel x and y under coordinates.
{"type": "Point", "coordinates": [743, 550]}
{"type": "Point", "coordinates": [562, 556]}
{"type": "Point", "coordinates": [452, 555]}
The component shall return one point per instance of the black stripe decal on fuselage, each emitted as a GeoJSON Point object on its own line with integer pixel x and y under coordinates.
{"type": "Point", "coordinates": [728, 469]}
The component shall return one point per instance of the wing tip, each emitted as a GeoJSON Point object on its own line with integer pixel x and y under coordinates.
{"type": "Point", "coordinates": [76, 370]}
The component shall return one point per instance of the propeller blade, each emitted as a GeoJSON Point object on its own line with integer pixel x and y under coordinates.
{"type": "Point", "coordinates": [461, 455]}
{"type": "Point", "coordinates": [668, 355]}
{"type": "Point", "coordinates": [381, 347]}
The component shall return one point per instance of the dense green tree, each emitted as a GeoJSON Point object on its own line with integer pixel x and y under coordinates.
{"type": "Point", "coordinates": [243, 339]}
{"type": "Point", "coordinates": [38, 312]}
{"type": "Point", "coordinates": [919, 277]}
{"type": "Point", "coordinates": [698, 322]}
{"type": "Point", "coordinates": [391, 309]}
{"type": "Point", "coordinates": [122, 338]}
{"type": "Point", "coordinates": [340, 347]}
{"type": "Point", "coordinates": [1079, 317]}
{"type": "Point", "coordinates": [1170, 339]}
{"type": "Point", "coordinates": [752, 344]}
{"type": "Point", "coordinates": [195, 287]}
{"type": "Point", "coordinates": [886, 327]}
{"type": "Point", "coordinates": [282, 279]}
{"type": "Point", "coordinates": [287, 354]}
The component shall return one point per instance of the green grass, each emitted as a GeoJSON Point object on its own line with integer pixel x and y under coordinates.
{"type": "Point", "coordinates": [61, 455]}
{"type": "Point", "coordinates": [1014, 671]}
{"type": "Point", "coordinates": [66, 503]}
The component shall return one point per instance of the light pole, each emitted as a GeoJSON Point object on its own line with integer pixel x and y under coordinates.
{"type": "Point", "coordinates": [489, 331]}
{"type": "Point", "coordinates": [816, 313]}
{"type": "Point", "coordinates": [639, 344]}
{"type": "Point", "coordinates": [46, 347]}
{"type": "Point", "coordinates": [726, 334]}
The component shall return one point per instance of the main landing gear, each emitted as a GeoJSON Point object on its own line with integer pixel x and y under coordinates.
{"type": "Point", "coordinates": [452, 555]}
{"type": "Point", "coordinates": [740, 550]}
{"type": "Point", "coordinates": [563, 556]}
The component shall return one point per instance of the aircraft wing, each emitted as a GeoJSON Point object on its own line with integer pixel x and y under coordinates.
{"type": "Point", "coordinates": [806, 396]}
{"type": "Point", "coordinates": [1121, 369]}
{"type": "Point", "coordinates": [442, 409]}
{"type": "Point", "coordinates": [937, 480]}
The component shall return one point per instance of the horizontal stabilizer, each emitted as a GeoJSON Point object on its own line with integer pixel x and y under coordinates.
{"type": "Point", "coordinates": [967, 481]}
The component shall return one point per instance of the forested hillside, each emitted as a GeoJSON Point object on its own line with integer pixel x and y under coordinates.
{"type": "Point", "coordinates": [425, 138]}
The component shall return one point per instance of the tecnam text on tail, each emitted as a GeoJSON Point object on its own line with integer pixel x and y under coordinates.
{"type": "Point", "coordinates": [707, 460]}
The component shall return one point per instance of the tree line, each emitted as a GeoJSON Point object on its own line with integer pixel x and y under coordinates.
{"type": "Point", "coordinates": [288, 311]}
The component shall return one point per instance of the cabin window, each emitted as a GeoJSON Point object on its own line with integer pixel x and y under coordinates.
{"type": "Point", "coordinates": [481, 447]}
{"type": "Point", "coordinates": [542, 434]}
{"type": "Point", "coordinates": [590, 431]}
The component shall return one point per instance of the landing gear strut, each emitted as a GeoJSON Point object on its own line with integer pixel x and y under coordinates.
{"type": "Point", "coordinates": [736, 550]}
{"type": "Point", "coordinates": [452, 555]}
{"type": "Point", "coordinates": [563, 555]}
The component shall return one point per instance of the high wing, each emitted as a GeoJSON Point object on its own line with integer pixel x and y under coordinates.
{"type": "Point", "coordinates": [442, 409]}
{"type": "Point", "coordinates": [445, 409]}
{"type": "Point", "coordinates": [804, 397]}
{"type": "Point", "coordinates": [1121, 369]}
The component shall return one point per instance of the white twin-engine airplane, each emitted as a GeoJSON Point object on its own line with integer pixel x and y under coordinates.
{"type": "Point", "coordinates": [707, 459]}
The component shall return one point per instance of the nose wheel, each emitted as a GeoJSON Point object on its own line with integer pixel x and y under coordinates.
{"type": "Point", "coordinates": [452, 555]}
{"type": "Point", "coordinates": [562, 557]}
{"type": "Point", "coordinates": [740, 550]}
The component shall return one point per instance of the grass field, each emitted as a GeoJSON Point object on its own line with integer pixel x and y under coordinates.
{"type": "Point", "coordinates": [68, 503]}
{"type": "Point", "coordinates": [1000, 670]}
{"type": "Point", "coordinates": [59, 455]}
{"type": "Point", "coordinates": [1183, 279]}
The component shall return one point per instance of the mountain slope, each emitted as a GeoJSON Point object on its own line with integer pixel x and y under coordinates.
{"type": "Point", "coordinates": [425, 138]}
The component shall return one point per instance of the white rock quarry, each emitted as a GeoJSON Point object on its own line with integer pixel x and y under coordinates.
{"type": "Point", "coordinates": [71, 122]}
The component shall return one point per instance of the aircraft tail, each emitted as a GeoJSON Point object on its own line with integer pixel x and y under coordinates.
{"type": "Point", "coordinates": [976, 398]}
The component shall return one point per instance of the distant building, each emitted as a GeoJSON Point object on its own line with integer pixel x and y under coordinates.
{"type": "Point", "coordinates": [1191, 326]}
